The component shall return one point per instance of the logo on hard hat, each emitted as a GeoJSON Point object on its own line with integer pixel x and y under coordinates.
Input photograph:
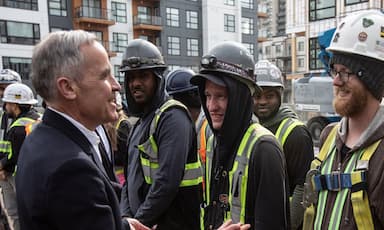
{"type": "Point", "coordinates": [367, 22]}
{"type": "Point", "coordinates": [17, 96]}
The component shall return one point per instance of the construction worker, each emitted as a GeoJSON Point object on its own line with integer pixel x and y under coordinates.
{"type": "Point", "coordinates": [163, 186]}
{"type": "Point", "coordinates": [344, 188]}
{"type": "Point", "coordinates": [179, 87]}
{"type": "Point", "coordinates": [7, 77]}
{"type": "Point", "coordinates": [245, 168]}
{"type": "Point", "coordinates": [18, 100]}
{"type": "Point", "coordinates": [292, 134]}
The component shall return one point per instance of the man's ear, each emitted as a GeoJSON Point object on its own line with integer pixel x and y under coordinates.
{"type": "Point", "coordinates": [66, 87]}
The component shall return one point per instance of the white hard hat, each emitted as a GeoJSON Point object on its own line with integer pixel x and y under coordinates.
{"type": "Point", "coordinates": [360, 33]}
{"type": "Point", "coordinates": [267, 74]}
{"type": "Point", "coordinates": [8, 76]}
{"type": "Point", "coordinates": [19, 93]}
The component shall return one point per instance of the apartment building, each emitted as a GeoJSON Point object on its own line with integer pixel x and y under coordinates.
{"type": "Point", "coordinates": [230, 20]}
{"type": "Point", "coordinates": [182, 29]}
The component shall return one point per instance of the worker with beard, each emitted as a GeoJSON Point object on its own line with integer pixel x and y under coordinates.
{"type": "Point", "coordinates": [292, 134]}
{"type": "Point", "coordinates": [245, 177]}
{"type": "Point", "coordinates": [345, 185]}
{"type": "Point", "coordinates": [163, 184]}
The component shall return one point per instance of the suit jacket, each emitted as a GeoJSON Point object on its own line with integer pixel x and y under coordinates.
{"type": "Point", "coordinates": [61, 183]}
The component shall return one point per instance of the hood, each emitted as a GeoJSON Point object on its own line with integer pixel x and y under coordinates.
{"type": "Point", "coordinates": [236, 120]}
{"type": "Point", "coordinates": [133, 109]}
{"type": "Point", "coordinates": [374, 132]}
{"type": "Point", "coordinates": [282, 113]}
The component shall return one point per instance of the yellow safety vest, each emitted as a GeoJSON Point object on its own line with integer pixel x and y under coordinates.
{"type": "Point", "coordinates": [238, 174]}
{"type": "Point", "coordinates": [149, 153]}
{"type": "Point", "coordinates": [6, 145]}
{"type": "Point", "coordinates": [285, 128]}
{"type": "Point", "coordinates": [321, 179]}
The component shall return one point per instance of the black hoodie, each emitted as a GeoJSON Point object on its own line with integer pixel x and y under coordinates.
{"type": "Point", "coordinates": [266, 202]}
{"type": "Point", "coordinates": [162, 203]}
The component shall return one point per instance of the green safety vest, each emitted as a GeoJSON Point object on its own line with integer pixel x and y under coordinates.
{"type": "Point", "coordinates": [285, 128]}
{"type": "Point", "coordinates": [149, 152]}
{"type": "Point", "coordinates": [352, 180]}
{"type": "Point", "coordinates": [6, 145]}
{"type": "Point", "coordinates": [238, 174]}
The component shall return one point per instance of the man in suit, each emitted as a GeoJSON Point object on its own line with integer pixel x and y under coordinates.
{"type": "Point", "coordinates": [60, 181]}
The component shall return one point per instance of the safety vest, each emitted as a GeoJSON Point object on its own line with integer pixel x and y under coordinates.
{"type": "Point", "coordinates": [238, 174]}
{"type": "Point", "coordinates": [323, 180]}
{"type": "Point", "coordinates": [6, 145]}
{"type": "Point", "coordinates": [31, 126]}
{"type": "Point", "coordinates": [149, 152]}
{"type": "Point", "coordinates": [285, 128]}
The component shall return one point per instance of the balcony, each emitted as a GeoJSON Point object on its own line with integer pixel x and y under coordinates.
{"type": "Point", "coordinates": [147, 22]}
{"type": "Point", "coordinates": [95, 15]}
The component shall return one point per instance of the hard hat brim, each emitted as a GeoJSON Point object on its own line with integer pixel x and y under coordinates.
{"type": "Point", "coordinates": [199, 79]}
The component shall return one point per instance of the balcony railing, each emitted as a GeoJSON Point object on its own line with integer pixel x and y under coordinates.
{"type": "Point", "coordinates": [147, 20]}
{"type": "Point", "coordinates": [93, 12]}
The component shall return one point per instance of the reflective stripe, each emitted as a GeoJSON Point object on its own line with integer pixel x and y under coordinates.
{"type": "Point", "coordinates": [353, 179]}
{"type": "Point", "coordinates": [238, 176]}
{"type": "Point", "coordinates": [285, 128]}
{"type": "Point", "coordinates": [149, 153]}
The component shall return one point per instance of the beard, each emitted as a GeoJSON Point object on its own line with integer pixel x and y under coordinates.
{"type": "Point", "coordinates": [348, 107]}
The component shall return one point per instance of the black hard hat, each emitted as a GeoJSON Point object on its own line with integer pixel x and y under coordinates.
{"type": "Point", "coordinates": [230, 58]}
{"type": "Point", "coordinates": [141, 54]}
{"type": "Point", "coordinates": [178, 81]}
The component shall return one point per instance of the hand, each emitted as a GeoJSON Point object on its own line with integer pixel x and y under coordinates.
{"type": "Point", "coordinates": [3, 174]}
{"type": "Point", "coordinates": [229, 226]}
{"type": "Point", "coordinates": [136, 225]}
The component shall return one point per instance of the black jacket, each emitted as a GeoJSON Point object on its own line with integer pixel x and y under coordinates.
{"type": "Point", "coordinates": [162, 203]}
{"type": "Point", "coordinates": [298, 147]}
{"type": "Point", "coordinates": [267, 196]}
{"type": "Point", "coordinates": [60, 182]}
{"type": "Point", "coordinates": [16, 136]}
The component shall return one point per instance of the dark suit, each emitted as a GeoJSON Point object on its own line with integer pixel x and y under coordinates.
{"type": "Point", "coordinates": [61, 183]}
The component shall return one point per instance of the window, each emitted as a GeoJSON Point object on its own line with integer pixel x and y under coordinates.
{"type": "Point", "coordinates": [351, 2]}
{"type": "Point", "coordinates": [18, 64]}
{"type": "Point", "coordinates": [173, 45]}
{"type": "Point", "coordinates": [19, 33]}
{"type": "Point", "coordinates": [119, 12]}
{"type": "Point", "coordinates": [300, 62]}
{"type": "Point", "coordinates": [268, 50]}
{"type": "Point", "coordinates": [300, 46]}
{"type": "Point", "coordinates": [192, 19]}
{"type": "Point", "coordinates": [247, 25]}
{"type": "Point", "coordinates": [250, 47]}
{"type": "Point", "coordinates": [320, 9]}
{"type": "Point", "coordinates": [54, 29]}
{"type": "Point", "coordinates": [247, 4]}
{"type": "Point", "coordinates": [192, 47]}
{"type": "Point", "coordinates": [144, 15]}
{"type": "Point", "coordinates": [120, 42]}
{"type": "Point", "coordinates": [119, 76]}
{"type": "Point", "coordinates": [229, 23]}
{"type": "Point", "coordinates": [229, 2]}
{"type": "Point", "coordinates": [57, 7]}
{"type": "Point", "coordinates": [173, 17]}
{"type": "Point", "coordinates": [314, 50]}
{"type": "Point", "coordinates": [278, 49]}
{"type": "Point", "coordinates": [20, 4]}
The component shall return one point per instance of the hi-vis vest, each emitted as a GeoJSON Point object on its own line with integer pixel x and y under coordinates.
{"type": "Point", "coordinates": [5, 145]}
{"type": "Point", "coordinates": [149, 153]}
{"type": "Point", "coordinates": [238, 176]}
{"type": "Point", "coordinates": [285, 128]}
{"type": "Point", "coordinates": [353, 180]}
